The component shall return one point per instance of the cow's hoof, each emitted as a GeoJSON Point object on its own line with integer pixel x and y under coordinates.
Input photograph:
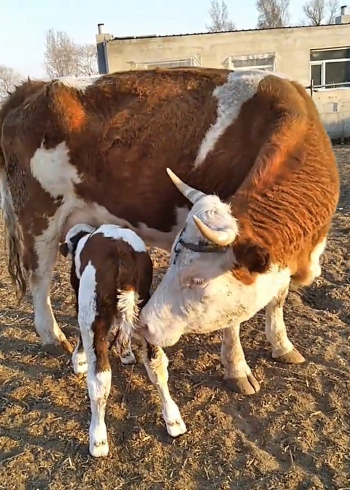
{"type": "Point", "coordinates": [58, 349]}
{"type": "Point", "coordinates": [247, 385]}
{"type": "Point", "coordinates": [176, 428]}
{"type": "Point", "coordinates": [292, 357]}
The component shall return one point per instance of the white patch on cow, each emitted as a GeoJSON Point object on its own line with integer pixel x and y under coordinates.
{"type": "Point", "coordinates": [315, 267]}
{"type": "Point", "coordinates": [239, 88]}
{"type": "Point", "coordinates": [52, 168]}
{"type": "Point", "coordinates": [99, 383]}
{"type": "Point", "coordinates": [79, 360]}
{"type": "Point", "coordinates": [79, 83]}
{"type": "Point", "coordinates": [117, 233]}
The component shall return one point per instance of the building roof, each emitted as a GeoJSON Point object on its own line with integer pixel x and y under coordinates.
{"type": "Point", "coordinates": [150, 36]}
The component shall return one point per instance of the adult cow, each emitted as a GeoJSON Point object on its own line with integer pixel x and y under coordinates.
{"type": "Point", "coordinates": [96, 151]}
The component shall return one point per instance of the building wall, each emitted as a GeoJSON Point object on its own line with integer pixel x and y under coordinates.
{"type": "Point", "coordinates": [292, 57]}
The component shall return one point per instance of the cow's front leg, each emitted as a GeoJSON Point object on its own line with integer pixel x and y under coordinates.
{"type": "Point", "coordinates": [156, 363]}
{"type": "Point", "coordinates": [238, 375]}
{"type": "Point", "coordinates": [276, 333]}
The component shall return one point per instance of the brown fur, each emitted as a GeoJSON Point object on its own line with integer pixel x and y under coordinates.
{"type": "Point", "coordinates": [274, 163]}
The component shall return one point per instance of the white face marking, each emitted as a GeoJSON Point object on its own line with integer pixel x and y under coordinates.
{"type": "Point", "coordinates": [52, 168]}
{"type": "Point", "coordinates": [240, 86]}
{"type": "Point", "coordinates": [79, 83]}
{"type": "Point", "coordinates": [128, 236]}
{"type": "Point", "coordinates": [199, 294]}
{"type": "Point", "coordinates": [99, 384]}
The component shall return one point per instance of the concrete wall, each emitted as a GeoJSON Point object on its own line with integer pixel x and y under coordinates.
{"type": "Point", "coordinates": [292, 57]}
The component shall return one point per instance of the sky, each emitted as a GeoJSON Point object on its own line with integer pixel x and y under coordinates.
{"type": "Point", "coordinates": [25, 22]}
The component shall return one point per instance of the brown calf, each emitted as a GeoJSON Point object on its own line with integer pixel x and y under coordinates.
{"type": "Point", "coordinates": [111, 275]}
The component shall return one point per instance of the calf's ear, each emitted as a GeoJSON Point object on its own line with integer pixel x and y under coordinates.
{"type": "Point", "coordinates": [253, 257]}
{"type": "Point", "coordinates": [63, 248]}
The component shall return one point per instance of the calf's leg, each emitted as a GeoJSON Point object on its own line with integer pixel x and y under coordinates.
{"type": "Point", "coordinates": [98, 380]}
{"type": "Point", "coordinates": [156, 364]}
{"type": "Point", "coordinates": [276, 333]}
{"type": "Point", "coordinates": [238, 375]}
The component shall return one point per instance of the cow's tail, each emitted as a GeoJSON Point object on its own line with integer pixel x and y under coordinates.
{"type": "Point", "coordinates": [13, 239]}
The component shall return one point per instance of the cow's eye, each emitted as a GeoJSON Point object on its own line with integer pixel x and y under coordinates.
{"type": "Point", "coordinates": [196, 282]}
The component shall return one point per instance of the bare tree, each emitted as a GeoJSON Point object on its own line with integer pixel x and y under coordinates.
{"type": "Point", "coordinates": [219, 17]}
{"type": "Point", "coordinates": [272, 13]}
{"type": "Point", "coordinates": [319, 12]}
{"type": "Point", "coordinates": [8, 80]}
{"type": "Point", "coordinates": [87, 60]}
{"type": "Point", "coordinates": [63, 57]}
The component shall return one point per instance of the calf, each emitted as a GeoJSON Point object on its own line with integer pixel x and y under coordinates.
{"type": "Point", "coordinates": [111, 275]}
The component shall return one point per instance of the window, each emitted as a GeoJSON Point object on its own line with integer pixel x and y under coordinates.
{"type": "Point", "coordinates": [264, 62]}
{"type": "Point", "coordinates": [330, 68]}
{"type": "Point", "coordinates": [149, 65]}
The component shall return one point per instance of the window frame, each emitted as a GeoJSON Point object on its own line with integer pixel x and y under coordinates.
{"type": "Point", "coordinates": [323, 63]}
{"type": "Point", "coordinates": [228, 62]}
{"type": "Point", "coordinates": [152, 65]}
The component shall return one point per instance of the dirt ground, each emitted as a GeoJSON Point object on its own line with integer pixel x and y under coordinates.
{"type": "Point", "coordinates": [293, 435]}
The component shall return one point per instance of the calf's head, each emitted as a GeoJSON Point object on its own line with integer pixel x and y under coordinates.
{"type": "Point", "coordinates": [73, 236]}
{"type": "Point", "coordinates": [210, 265]}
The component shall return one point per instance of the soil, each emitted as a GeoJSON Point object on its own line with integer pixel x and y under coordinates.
{"type": "Point", "coordinates": [293, 435]}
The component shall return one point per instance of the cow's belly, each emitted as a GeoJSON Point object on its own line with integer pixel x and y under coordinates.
{"type": "Point", "coordinates": [96, 215]}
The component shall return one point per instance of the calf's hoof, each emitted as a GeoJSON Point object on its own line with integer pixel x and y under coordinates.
{"type": "Point", "coordinates": [80, 365]}
{"type": "Point", "coordinates": [128, 359]}
{"type": "Point", "coordinates": [176, 428]}
{"type": "Point", "coordinates": [99, 449]}
{"type": "Point", "coordinates": [60, 349]}
{"type": "Point", "coordinates": [292, 357]}
{"type": "Point", "coordinates": [246, 385]}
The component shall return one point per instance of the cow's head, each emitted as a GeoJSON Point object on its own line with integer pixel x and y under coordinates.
{"type": "Point", "coordinates": [73, 236]}
{"type": "Point", "coordinates": [205, 287]}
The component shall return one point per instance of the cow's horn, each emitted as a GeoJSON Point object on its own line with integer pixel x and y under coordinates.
{"type": "Point", "coordinates": [192, 195]}
{"type": "Point", "coordinates": [221, 238]}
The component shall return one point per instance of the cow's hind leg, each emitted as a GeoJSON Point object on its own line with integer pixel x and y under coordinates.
{"type": "Point", "coordinates": [39, 261]}
{"type": "Point", "coordinates": [276, 333]}
{"type": "Point", "coordinates": [156, 363]}
{"type": "Point", "coordinates": [238, 375]}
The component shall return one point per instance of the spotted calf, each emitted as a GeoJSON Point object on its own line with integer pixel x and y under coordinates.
{"type": "Point", "coordinates": [111, 275]}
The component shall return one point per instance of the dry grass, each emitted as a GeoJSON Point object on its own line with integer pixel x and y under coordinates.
{"type": "Point", "coordinates": [294, 434]}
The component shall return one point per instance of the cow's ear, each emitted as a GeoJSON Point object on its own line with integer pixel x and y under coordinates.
{"type": "Point", "coordinates": [63, 248]}
{"type": "Point", "coordinates": [253, 257]}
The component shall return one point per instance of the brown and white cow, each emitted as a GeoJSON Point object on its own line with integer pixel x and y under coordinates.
{"type": "Point", "coordinates": [111, 275]}
{"type": "Point", "coordinates": [97, 152]}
